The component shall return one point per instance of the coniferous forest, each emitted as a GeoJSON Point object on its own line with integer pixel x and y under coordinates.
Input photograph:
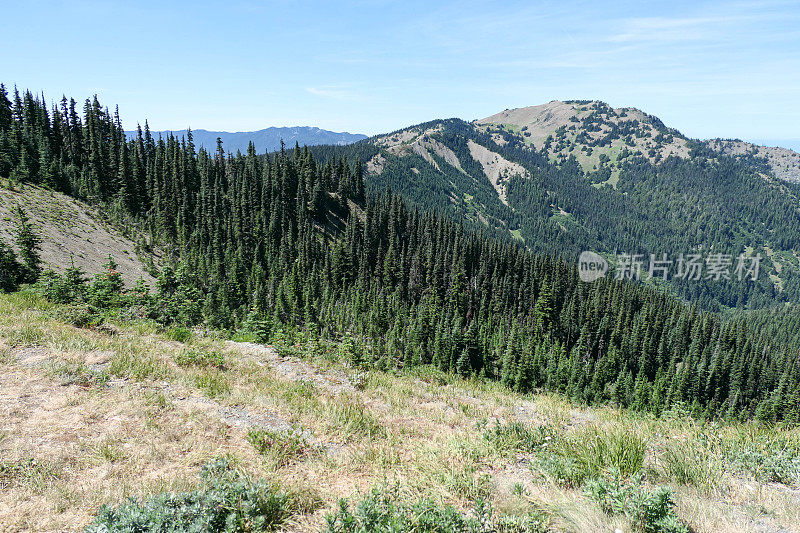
{"type": "Point", "coordinates": [282, 242]}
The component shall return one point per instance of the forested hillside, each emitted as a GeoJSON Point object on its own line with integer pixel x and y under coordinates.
{"type": "Point", "coordinates": [568, 177]}
{"type": "Point", "coordinates": [284, 242]}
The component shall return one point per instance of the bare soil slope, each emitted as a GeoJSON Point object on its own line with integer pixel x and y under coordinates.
{"type": "Point", "coordinates": [70, 230]}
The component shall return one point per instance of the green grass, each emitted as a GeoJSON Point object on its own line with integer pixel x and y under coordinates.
{"type": "Point", "coordinates": [572, 460]}
{"type": "Point", "coordinates": [280, 447]}
{"type": "Point", "coordinates": [213, 383]}
{"type": "Point", "coordinates": [30, 472]}
{"type": "Point", "coordinates": [200, 358]}
{"type": "Point", "coordinates": [128, 363]}
{"type": "Point", "coordinates": [109, 450]}
{"type": "Point", "coordinates": [349, 417]}
{"type": "Point", "coordinates": [689, 463]}
{"type": "Point", "coordinates": [515, 437]}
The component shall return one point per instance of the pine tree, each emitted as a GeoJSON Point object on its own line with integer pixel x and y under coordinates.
{"type": "Point", "coordinates": [28, 242]}
{"type": "Point", "coordinates": [10, 269]}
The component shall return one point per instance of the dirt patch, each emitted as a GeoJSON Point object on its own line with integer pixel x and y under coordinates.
{"type": "Point", "coordinates": [376, 164]}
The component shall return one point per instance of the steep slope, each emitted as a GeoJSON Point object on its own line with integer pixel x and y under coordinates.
{"type": "Point", "coordinates": [266, 140]}
{"type": "Point", "coordinates": [71, 231]}
{"type": "Point", "coordinates": [570, 176]}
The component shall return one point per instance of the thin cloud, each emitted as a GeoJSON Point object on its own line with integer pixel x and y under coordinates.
{"type": "Point", "coordinates": [334, 92]}
{"type": "Point", "coordinates": [665, 29]}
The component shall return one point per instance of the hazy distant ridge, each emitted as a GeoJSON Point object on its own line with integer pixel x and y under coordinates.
{"type": "Point", "coordinates": [266, 140]}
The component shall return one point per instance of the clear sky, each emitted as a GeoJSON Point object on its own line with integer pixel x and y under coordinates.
{"type": "Point", "coordinates": [708, 68]}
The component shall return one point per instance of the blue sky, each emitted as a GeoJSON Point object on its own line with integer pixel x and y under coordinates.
{"type": "Point", "coordinates": [710, 69]}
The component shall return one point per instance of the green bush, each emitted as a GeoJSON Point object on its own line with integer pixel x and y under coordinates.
{"type": "Point", "coordinates": [179, 333]}
{"type": "Point", "coordinates": [649, 511]}
{"type": "Point", "coordinates": [226, 502]}
{"type": "Point", "coordinates": [69, 288]}
{"type": "Point", "coordinates": [771, 453]}
{"type": "Point", "coordinates": [258, 326]}
{"type": "Point", "coordinates": [106, 290]}
{"type": "Point", "coordinates": [771, 464]}
{"type": "Point", "coordinates": [382, 511]}
{"type": "Point", "coordinates": [10, 269]}
{"type": "Point", "coordinates": [177, 299]}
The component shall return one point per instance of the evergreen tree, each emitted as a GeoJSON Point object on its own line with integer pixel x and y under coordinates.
{"type": "Point", "coordinates": [28, 242]}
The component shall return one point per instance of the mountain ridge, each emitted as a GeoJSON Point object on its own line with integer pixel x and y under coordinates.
{"type": "Point", "coordinates": [564, 177]}
{"type": "Point", "coordinates": [620, 128]}
{"type": "Point", "coordinates": [265, 140]}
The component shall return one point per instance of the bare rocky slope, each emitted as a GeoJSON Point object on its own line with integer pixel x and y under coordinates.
{"type": "Point", "coordinates": [596, 134]}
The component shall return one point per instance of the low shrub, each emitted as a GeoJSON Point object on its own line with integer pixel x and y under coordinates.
{"type": "Point", "coordinates": [769, 453]}
{"type": "Point", "coordinates": [382, 511]}
{"type": "Point", "coordinates": [226, 501]}
{"type": "Point", "coordinates": [649, 511]}
{"type": "Point", "coordinates": [778, 465]}
{"type": "Point", "coordinates": [179, 334]}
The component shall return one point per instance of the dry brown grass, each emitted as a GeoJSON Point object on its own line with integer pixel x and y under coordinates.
{"type": "Point", "coordinates": [146, 426]}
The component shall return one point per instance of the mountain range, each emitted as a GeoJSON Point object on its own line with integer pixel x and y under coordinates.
{"type": "Point", "coordinates": [564, 177]}
{"type": "Point", "coordinates": [266, 140]}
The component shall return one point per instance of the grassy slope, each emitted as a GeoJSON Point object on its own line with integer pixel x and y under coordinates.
{"type": "Point", "coordinates": [92, 416]}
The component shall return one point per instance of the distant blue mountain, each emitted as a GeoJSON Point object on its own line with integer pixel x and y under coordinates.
{"type": "Point", "coordinates": [266, 140]}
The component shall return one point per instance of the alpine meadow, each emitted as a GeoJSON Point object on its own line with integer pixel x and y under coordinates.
{"type": "Point", "coordinates": [562, 317]}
